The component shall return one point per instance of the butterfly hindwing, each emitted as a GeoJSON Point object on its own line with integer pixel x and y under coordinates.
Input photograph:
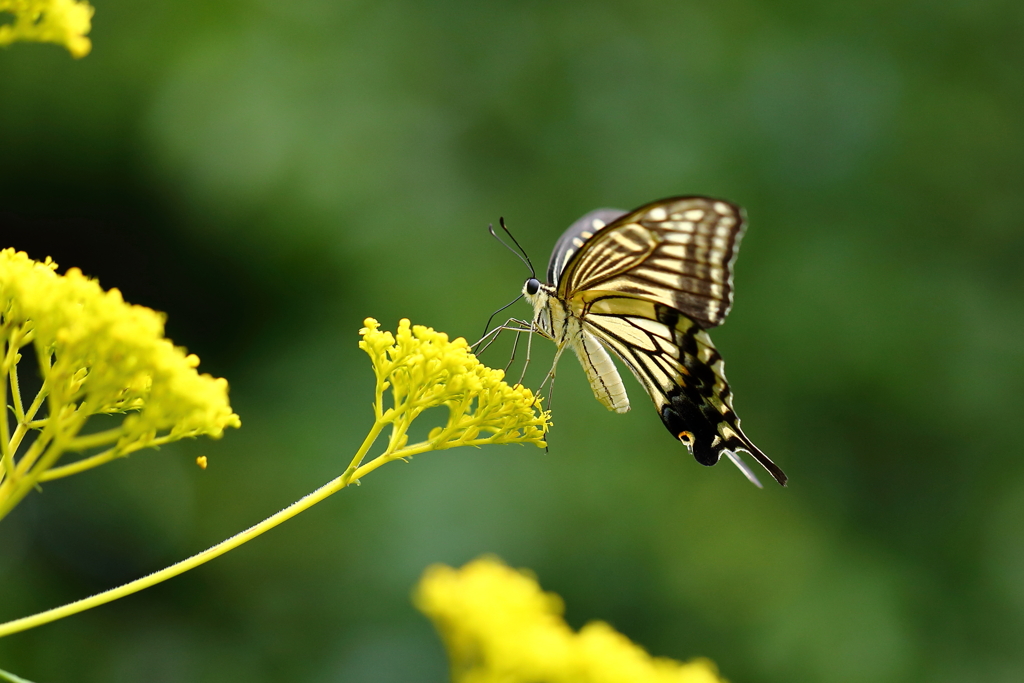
{"type": "Point", "coordinates": [678, 252]}
{"type": "Point", "coordinates": [681, 370]}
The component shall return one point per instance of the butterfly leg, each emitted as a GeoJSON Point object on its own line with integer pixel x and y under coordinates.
{"type": "Point", "coordinates": [529, 350]}
{"type": "Point", "coordinates": [529, 347]}
{"type": "Point", "coordinates": [481, 344]}
{"type": "Point", "coordinates": [512, 325]}
{"type": "Point", "coordinates": [512, 356]}
{"type": "Point", "coordinates": [551, 373]}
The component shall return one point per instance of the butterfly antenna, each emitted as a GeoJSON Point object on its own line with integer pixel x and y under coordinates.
{"type": "Point", "coordinates": [487, 327]}
{"type": "Point", "coordinates": [521, 253]}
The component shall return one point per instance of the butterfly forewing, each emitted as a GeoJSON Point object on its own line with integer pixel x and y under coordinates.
{"type": "Point", "coordinates": [678, 252]}
{"type": "Point", "coordinates": [573, 239]}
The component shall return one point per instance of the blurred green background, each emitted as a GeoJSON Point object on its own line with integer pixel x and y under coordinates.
{"type": "Point", "coordinates": [270, 173]}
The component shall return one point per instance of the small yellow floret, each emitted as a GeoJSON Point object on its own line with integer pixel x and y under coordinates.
{"type": "Point", "coordinates": [499, 626]}
{"type": "Point", "coordinates": [424, 369]}
{"type": "Point", "coordinates": [64, 22]}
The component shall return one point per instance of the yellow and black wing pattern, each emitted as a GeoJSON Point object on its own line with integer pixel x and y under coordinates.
{"type": "Point", "coordinates": [682, 371]}
{"type": "Point", "coordinates": [648, 283]}
{"type": "Point", "coordinates": [678, 252]}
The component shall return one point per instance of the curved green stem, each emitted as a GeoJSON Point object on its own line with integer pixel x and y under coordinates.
{"type": "Point", "coordinates": [352, 473]}
{"type": "Point", "coordinates": [6, 453]}
{"type": "Point", "coordinates": [308, 501]}
{"type": "Point", "coordinates": [8, 676]}
{"type": "Point", "coordinates": [84, 443]}
{"type": "Point", "coordinates": [81, 465]}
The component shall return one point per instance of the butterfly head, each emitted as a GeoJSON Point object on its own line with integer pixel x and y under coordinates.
{"type": "Point", "coordinates": [537, 293]}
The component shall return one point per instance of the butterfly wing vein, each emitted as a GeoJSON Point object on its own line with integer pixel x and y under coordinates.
{"type": "Point", "coordinates": [678, 252]}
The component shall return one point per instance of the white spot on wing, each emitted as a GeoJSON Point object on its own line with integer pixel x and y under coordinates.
{"type": "Point", "coordinates": [597, 223]}
{"type": "Point", "coordinates": [679, 237]}
{"type": "Point", "coordinates": [694, 214]}
{"type": "Point", "coordinates": [657, 214]}
{"type": "Point", "coordinates": [722, 208]}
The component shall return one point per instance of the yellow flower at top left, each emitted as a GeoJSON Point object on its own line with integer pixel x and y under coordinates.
{"type": "Point", "coordinates": [64, 22]}
{"type": "Point", "coordinates": [96, 354]}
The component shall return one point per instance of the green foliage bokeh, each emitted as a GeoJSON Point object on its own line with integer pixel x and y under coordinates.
{"type": "Point", "coordinates": [269, 174]}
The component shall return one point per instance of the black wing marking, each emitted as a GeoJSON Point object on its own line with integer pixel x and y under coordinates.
{"type": "Point", "coordinates": [682, 372]}
{"type": "Point", "coordinates": [678, 252]}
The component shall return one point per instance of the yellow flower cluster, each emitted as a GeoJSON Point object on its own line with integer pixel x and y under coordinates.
{"type": "Point", "coordinates": [96, 355]}
{"type": "Point", "coordinates": [424, 370]}
{"type": "Point", "coordinates": [65, 22]}
{"type": "Point", "coordinates": [500, 627]}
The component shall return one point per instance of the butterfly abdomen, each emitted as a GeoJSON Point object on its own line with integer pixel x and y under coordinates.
{"type": "Point", "coordinates": [601, 373]}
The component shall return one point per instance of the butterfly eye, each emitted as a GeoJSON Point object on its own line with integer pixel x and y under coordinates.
{"type": "Point", "coordinates": [532, 286]}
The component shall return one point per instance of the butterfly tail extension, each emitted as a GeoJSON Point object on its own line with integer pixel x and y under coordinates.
{"type": "Point", "coordinates": [601, 373]}
{"type": "Point", "coordinates": [709, 434]}
{"type": "Point", "coordinates": [742, 466]}
{"type": "Point", "coordinates": [699, 411]}
{"type": "Point", "coordinates": [742, 443]}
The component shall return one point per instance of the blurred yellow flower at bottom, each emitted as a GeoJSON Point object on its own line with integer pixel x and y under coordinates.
{"type": "Point", "coordinates": [65, 22]}
{"type": "Point", "coordinates": [499, 626]}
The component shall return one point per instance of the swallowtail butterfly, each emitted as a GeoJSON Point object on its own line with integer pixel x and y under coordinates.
{"type": "Point", "coordinates": [647, 285]}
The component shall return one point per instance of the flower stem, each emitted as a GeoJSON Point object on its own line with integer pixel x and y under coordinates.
{"type": "Point", "coordinates": [81, 465]}
{"type": "Point", "coordinates": [352, 473]}
{"type": "Point", "coordinates": [8, 676]}
{"type": "Point", "coordinates": [6, 452]}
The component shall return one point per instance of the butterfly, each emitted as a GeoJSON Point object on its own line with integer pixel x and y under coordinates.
{"type": "Point", "coordinates": [647, 285]}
